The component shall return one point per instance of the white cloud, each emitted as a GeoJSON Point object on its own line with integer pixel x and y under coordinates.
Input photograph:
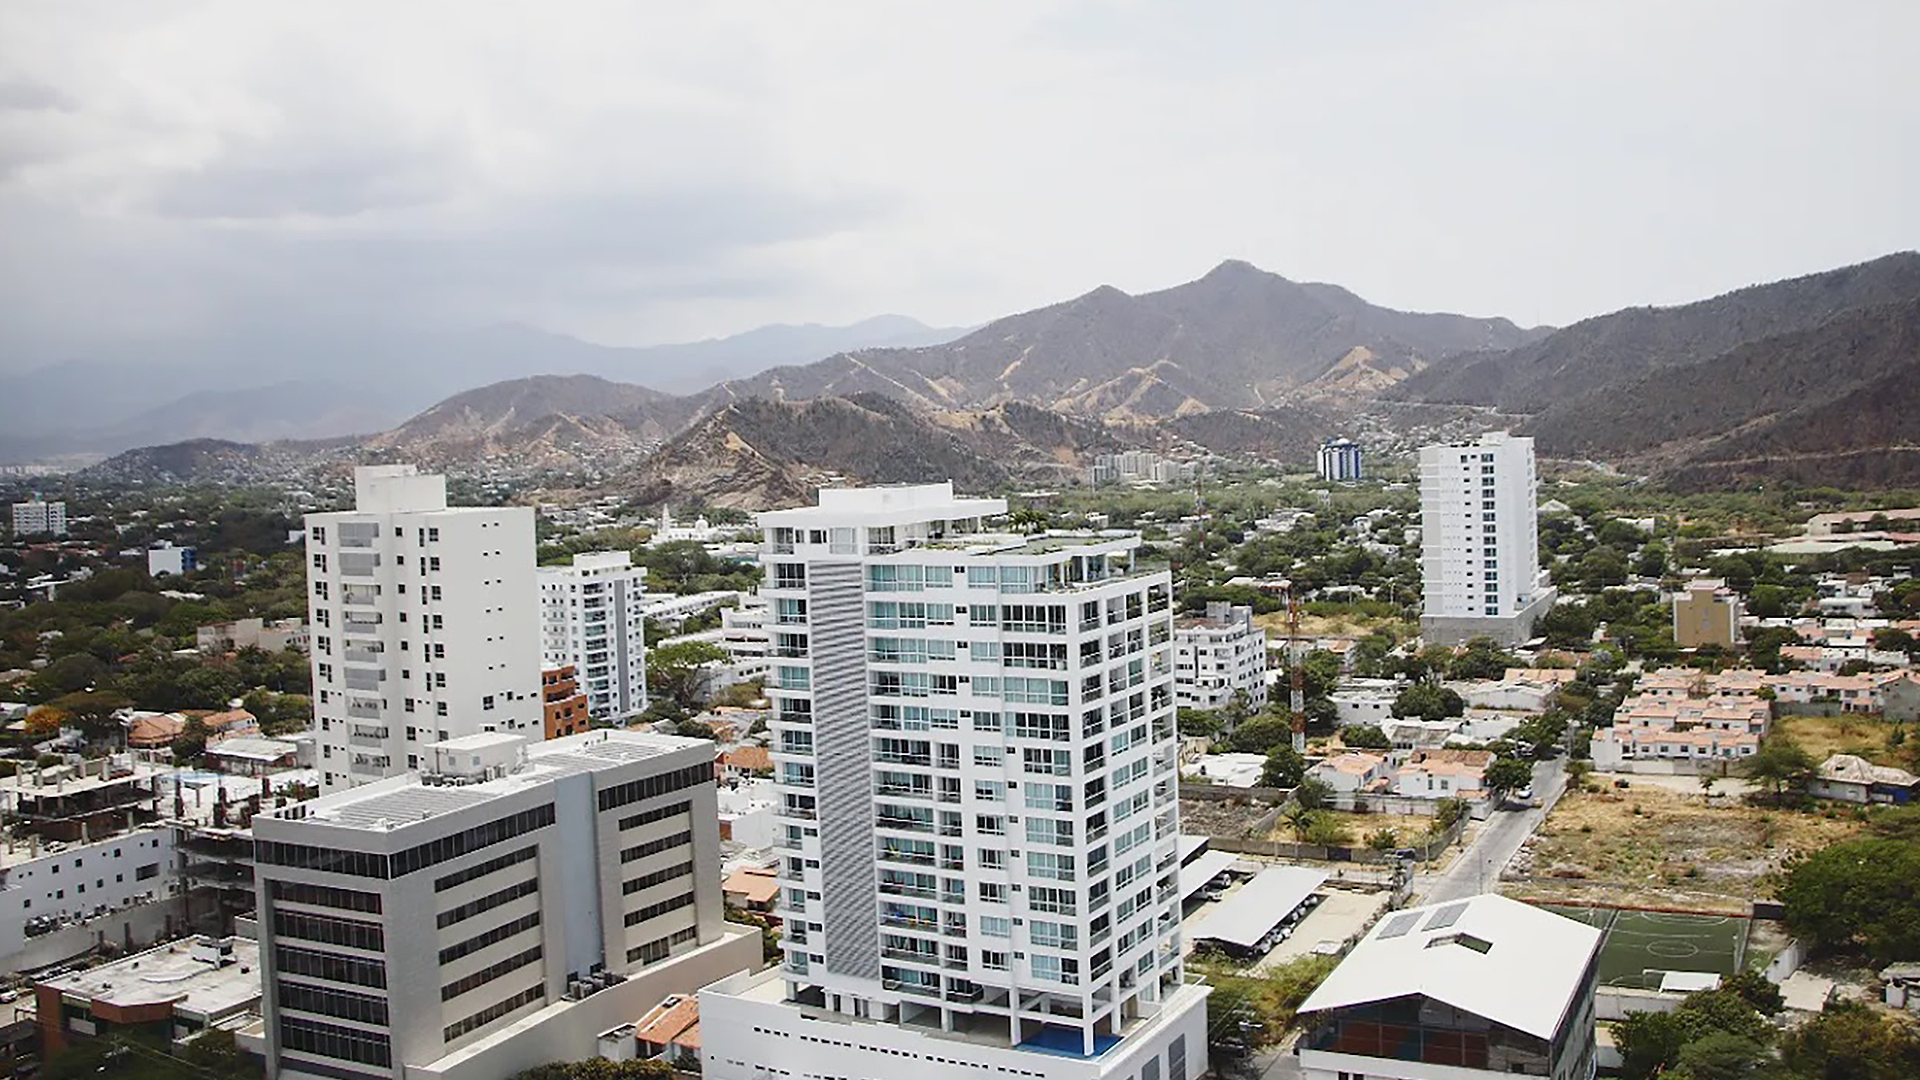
{"type": "Point", "coordinates": [638, 173]}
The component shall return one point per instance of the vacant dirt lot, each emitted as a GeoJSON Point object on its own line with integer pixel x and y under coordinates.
{"type": "Point", "coordinates": [1407, 828]}
{"type": "Point", "coordinates": [1823, 736]}
{"type": "Point", "coordinates": [1654, 845]}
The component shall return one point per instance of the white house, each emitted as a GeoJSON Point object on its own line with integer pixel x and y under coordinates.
{"type": "Point", "coordinates": [1354, 772]}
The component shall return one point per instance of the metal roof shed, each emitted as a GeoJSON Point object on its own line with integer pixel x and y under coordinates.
{"type": "Point", "coordinates": [1249, 914]}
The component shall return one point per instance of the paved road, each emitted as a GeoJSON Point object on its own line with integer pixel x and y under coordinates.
{"type": "Point", "coordinates": [1477, 869]}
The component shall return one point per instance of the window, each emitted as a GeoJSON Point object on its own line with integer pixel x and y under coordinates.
{"type": "Point", "coordinates": [334, 1041]}
{"type": "Point", "coordinates": [1046, 864]}
{"type": "Point", "coordinates": [1052, 935]}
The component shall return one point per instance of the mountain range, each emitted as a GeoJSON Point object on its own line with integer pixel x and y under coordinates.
{"type": "Point", "coordinates": [1237, 338]}
{"type": "Point", "coordinates": [1809, 380]}
{"type": "Point", "coordinates": [257, 384]}
{"type": "Point", "coordinates": [1814, 379]}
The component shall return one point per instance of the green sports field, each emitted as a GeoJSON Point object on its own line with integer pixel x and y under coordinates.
{"type": "Point", "coordinates": [1639, 945]}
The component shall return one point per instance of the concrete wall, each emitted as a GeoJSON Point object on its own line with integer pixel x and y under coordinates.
{"type": "Point", "coordinates": [567, 1031]}
{"type": "Point", "coordinates": [744, 1039]}
{"type": "Point", "coordinates": [142, 924]}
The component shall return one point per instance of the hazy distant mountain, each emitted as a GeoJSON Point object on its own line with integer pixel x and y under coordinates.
{"type": "Point", "coordinates": [1610, 350]}
{"type": "Point", "coordinates": [321, 382]}
{"type": "Point", "coordinates": [697, 365]}
{"type": "Point", "coordinates": [1237, 338]}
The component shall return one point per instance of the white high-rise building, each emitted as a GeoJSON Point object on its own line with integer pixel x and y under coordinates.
{"type": "Point", "coordinates": [1480, 541]}
{"type": "Point", "coordinates": [590, 617]}
{"type": "Point", "coordinates": [1340, 459]}
{"type": "Point", "coordinates": [978, 824]}
{"type": "Point", "coordinates": [496, 912]}
{"type": "Point", "coordinates": [37, 517]}
{"type": "Point", "coordinates": [423, 621]}
{"type": "Point", "coordinates": [1218, 654]}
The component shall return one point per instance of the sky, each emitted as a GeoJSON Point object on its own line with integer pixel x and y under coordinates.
{"type": "Point", "coordinates": [634, 173]}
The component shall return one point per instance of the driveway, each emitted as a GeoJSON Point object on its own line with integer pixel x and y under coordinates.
{"type": "Point", "coordinates": [1477, 869]}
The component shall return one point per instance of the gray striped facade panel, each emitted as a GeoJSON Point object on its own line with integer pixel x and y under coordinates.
{"type": "Point", "coordinates": [843, 751]}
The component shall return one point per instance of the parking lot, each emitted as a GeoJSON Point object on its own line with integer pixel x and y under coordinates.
{"type": "Point", "coordinates": [1340, 915]}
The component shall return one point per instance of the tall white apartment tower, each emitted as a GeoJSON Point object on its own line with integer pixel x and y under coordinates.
{"type": "Point", "coordinates": [424, 624]}
{"type": "Point", "coordinates": [1480, 541]}
{"type": "Point", "coordinates": [37, 517]}
{"type": "Point", "coordinates": [590, 618]}
{"type": "Point", "coordinates": [495, 912]}
{"type": "Point", "coordinates": [978, 824]}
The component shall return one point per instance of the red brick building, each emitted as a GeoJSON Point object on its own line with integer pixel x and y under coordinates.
{"type": "Point", "coordinates": [566, 706]}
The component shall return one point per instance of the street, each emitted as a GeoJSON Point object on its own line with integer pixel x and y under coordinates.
{"type": "Point", "coordinates": [1474, 872]}
{"type": "Point", "coordinates": [1478, 868]}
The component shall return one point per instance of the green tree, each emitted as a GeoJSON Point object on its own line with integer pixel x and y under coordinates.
{"type": "Point", "coordinates": [1328, 831]}
{"type": "Point", "coordinates": [1857, 896]}
{"type": "Point", "coordinates": [1852, 1041]}
{"type": "Point", "coordinates": [1779, 763]}
{"type": "Point", "coordinates": [1481, 658]}
{"type": "Point", "coordinates": [1284, 768]}
{"type": "Point", "coordinates": [92, 711]}
{"type": "Point", "coordinates": [1506, 774]}
{"type": "Point", "coordinates": [1314, 794]}
{"type": "Point", "coordinates": [1383, 839]}
{"type": "Point", "coordinates": [1365, 737]}
{"type": "Point", "coordinates": [191, 742]}
{"type": "Point", "coordinates": [1199, 723]}
{"type": "Point", "coordinates": [1719, 1055]}
{"type": "Point", "coordinates": [1539, 736]}
{"type": "Point", "coordinates": [1603, 566]}
{"type": "Point", "coordinates": [674, 672]}
{"type": "Point", "coordinates": [1426, 701]}
{"type": "Point", "coordinates": [1652, 561]}
{"type": "Point", "coordinates": [1261, 734]}
{"type": "Point", "coordinates": [1767, 601]}
{"type": "Point", "coordinates": [1756, 990]}
{"type": "Point", "coordinates": [1649, 1042]}
{"type": "Point", "coordinates": [1567, 625]}
{"type": "Point", "coordinates": [1321, 671]}
{"type": "Point", "coordinates": [1299, 818]}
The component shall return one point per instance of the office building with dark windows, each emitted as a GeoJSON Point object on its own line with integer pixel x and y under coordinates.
{"type": "Point", "coordinates": [493, 912]}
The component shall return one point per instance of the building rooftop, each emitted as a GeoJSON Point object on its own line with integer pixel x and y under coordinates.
{"type": "Point", "coordinates": [1245, 917]}
{"type": "Point", "coordinates": [884, 505]}
{"type": "Point", "coordinates": [1500, 959]}
{"type": "Point", "coordinates": [200, 975]}
{"type": "Point", "coordinates": [402, 800]}
{"type": "Point", "coordinates": [251, 748]}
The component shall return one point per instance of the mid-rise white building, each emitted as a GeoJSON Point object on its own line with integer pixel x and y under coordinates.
{"type": "Point", "coordinates": [1217, 655]}
{"type": "Point", "coordinates": [166, 558]}
{"type": "Point", "coordinates": [590, 617]}
{"type": "Point", "coordinates": [36, 517]}
{"type": "Point", "coordinates": [1480, 541]}
{"type": "Point", "coordinates": [495, 912]}
{"type": "Point", "coordinates": [975, 753]}
{"type": "Point", "coordinates": [424, 624]}
{"type": "Point", "coordinates": [1340, 460]}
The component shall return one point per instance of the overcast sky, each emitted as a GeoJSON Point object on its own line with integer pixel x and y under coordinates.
{"type": "Point", "coordinates": [642, 172]}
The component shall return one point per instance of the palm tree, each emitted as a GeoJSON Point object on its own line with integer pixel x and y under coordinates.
{"type": "Point", "coordinates": [1027, 519]}
{"type": "Point", "coordinates": [1299, 819]}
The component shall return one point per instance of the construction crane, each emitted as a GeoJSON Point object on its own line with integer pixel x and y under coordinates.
{"type": "Point", "coordinates": [1296, 672]}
